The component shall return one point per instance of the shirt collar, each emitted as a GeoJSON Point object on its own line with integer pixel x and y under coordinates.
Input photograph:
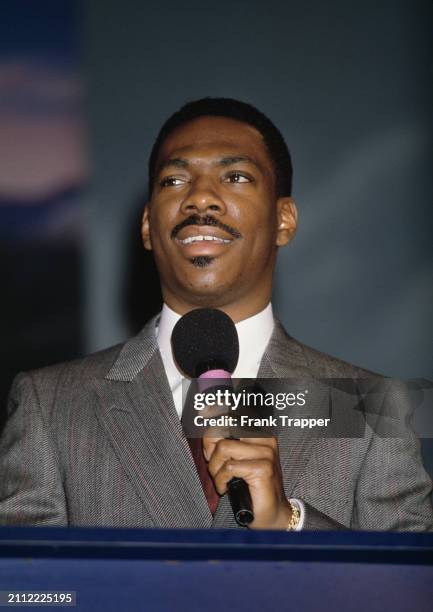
{"type": "Point", "coordinates": [254, 334]}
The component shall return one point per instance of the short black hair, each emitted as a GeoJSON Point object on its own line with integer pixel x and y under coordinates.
{"type": "Point", "coordinates": [240, 111]}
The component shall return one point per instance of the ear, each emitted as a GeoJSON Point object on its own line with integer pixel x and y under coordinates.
{"type": "Point", "coordinates": [145, 229]}
{"type": "Point", "coordinates": [287, 217]}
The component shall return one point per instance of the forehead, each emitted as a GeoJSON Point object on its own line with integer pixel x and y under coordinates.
{"type": "Point", "coordinates": [216, 136]}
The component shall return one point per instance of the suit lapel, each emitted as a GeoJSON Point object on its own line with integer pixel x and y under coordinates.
{"type": "Point", "coordinates": [285, 359]}
{"type": "Point", "coordinates": [135, 407]}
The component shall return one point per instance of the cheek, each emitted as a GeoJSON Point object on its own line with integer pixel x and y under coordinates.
{"type": "Point", "coordinates": [160, 225]}
{"type": "Point", "coordinates": [262, 248]}
{"type": "Point", "coordinates": [260, 227]}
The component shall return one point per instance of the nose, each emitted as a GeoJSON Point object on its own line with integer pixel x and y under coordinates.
{"type": "Point", "coordinates": [202, 198]}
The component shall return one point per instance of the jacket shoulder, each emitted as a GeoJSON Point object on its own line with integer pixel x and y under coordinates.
{"type": "Point", "coordinates": [63, 383]}
{"type": "Point", "coordinates": [326, 366]}
{"type": "Point", "coordinates": [94, 365]}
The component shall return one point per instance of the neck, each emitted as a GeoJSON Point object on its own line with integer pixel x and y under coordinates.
{"type": "Point", "coordinates": [237, 311]}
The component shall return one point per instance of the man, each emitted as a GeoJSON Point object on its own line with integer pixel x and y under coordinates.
{"type": "Point", "coordinates": [99, 441]}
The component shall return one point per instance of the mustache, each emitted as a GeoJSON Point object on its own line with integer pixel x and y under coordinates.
{"type": "Point", "coordinates": [206, 220]}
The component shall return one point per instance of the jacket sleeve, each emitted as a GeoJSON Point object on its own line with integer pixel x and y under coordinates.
{"type": "Point", "coordinates": [31, 490]}
{"type": "Point", "coordinates": [393, 490]}
{"type": "Point", "coordinates": [317, 521]}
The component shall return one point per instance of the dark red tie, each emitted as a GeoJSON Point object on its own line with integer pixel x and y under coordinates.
{"type": "Point", "coordinates": [196, 446]}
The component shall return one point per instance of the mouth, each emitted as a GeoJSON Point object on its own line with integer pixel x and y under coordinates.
{"type": "Point", "coordinates": [203, 240]}
{"type": "Point", "coordinates": [200, 238]}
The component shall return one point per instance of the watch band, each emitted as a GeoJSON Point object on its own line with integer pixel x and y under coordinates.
{"type": "Point", "coordinates": [295, 518]}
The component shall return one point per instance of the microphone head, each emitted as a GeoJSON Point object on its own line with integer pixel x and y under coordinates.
{"type": "Point", "coordinates": [205, 336]}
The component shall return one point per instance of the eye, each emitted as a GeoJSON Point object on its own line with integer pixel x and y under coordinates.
{"type": "Point", "coordinates": [237, 177]}
{"type": "Point", "coordinates": [171, 181]}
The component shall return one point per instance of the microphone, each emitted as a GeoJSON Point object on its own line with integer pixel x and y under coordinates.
{"type": "Point", "coordinates": [206, 346]}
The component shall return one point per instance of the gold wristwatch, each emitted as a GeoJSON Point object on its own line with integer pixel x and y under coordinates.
{"type": "Point", "coordinates": [295, 518]}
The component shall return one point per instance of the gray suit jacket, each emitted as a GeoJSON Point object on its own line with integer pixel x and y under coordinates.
{"type": "Point", "coordinates": [98, 442]}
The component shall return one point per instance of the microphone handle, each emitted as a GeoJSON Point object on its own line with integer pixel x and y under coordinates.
{"type": "Point", "coordinates": [240, 499]}
{"type": "Point", "coordinates": [241, 502]}
{"type": "Point", "coordinates": [237, 488]}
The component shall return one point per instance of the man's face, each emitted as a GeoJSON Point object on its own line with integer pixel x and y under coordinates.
{"type": "Point", "coordinates": [213, 221]}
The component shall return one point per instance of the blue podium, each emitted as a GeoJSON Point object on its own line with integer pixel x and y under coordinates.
{"type": "Point", "coordinates": [205, 570]}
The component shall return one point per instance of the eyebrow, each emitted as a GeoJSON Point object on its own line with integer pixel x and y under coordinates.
{"type": "Point", "coordinates": [235, 159]}
{"type": "Point", "coordinates": [179, 162]}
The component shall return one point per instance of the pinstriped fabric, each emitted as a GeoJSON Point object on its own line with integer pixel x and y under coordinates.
{"type": "Point", "coordinates": [98, 442]}
{"type": "Point", "coordinates": [35, 495]}
{"type": "Point", "coordinates": [135, 354]}
{"type": "Point", "coordinates": [373, 482]}
{"type": "Point", "coordinates": [148, 440]}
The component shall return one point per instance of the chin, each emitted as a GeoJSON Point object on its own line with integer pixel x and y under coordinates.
{"type": "Point", "coordinates": [207, 295]}
{"type": "Point", "coordinates": [206, 284]}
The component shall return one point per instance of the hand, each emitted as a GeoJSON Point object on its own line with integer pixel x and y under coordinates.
{"type": "Point", "coordinates": [257, 461]}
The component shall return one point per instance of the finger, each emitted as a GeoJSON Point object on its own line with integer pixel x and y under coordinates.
{"type": "Point", "coordinates": [209, 445]}
{"type": "Point", "coordinates": [240, 451]}
{"type": "Point", "coordinates": [210, 442]}
{"type": "Point", "coordinates": [271, 442]}
{"type": "Point", "coordinates": [253, 471]}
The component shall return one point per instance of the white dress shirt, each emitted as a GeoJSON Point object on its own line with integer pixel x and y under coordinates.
{"type": "Point", "coordinates": [254, 334]}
